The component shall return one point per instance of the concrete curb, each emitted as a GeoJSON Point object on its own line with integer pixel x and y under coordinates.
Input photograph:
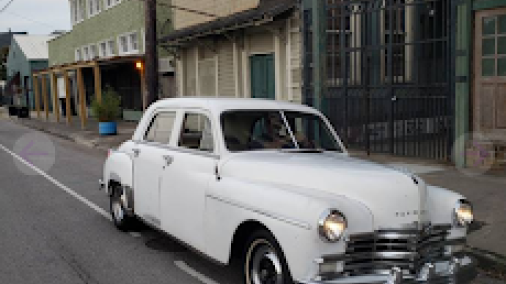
{"type": "Point", "coordinates": [69, 137]}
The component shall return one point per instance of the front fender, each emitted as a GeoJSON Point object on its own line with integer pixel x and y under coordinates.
{"type": "Point", "coordinates": [290, 214]}
{"type": "Point", "coordinates": [440, 205]}
{"type": "Point", "coordinates": [119, 168]}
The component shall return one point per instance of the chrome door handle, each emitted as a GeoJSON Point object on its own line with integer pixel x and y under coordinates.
{"type": "Point", "coordinates": [136, 152]}
{"type": "Point", "coordinates": [168, 159]}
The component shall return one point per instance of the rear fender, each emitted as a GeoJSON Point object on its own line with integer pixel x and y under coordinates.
{"type": "Point", "coordinates": [118, 168]}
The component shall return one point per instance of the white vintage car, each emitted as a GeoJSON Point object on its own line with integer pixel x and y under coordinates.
{"type": "Point", "coordinates": [270, 183]}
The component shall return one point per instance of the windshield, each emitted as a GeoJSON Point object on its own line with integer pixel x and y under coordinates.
{"type": "Point", "coordinates": [256, 130]}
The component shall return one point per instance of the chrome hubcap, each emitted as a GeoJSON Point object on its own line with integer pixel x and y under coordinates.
{"type": "Point", "coordinates": [265, 266]}
{"type": "Point", "coordinates": [117, 211]}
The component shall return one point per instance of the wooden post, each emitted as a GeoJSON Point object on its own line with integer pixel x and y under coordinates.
{"type": "Point", "coordinates": [37, 94]}
{"type": "Point", "coordinates": [67, 93]}
{"type": "Point", "coordinates": [143, 89]}
{"type": "Point", "coordinates": [151, 55]}
{"type": "Point", "coordinates": [45, 100]}
{"type": "Point", "coordinates": [98, 82]}
{"type": "Point", "coordinates": [82, 97]}
{"type": "Point", "coordinates": [54, 92]}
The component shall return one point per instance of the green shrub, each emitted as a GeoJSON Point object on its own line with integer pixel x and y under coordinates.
{"type": "Point", "coordinates": [109, 109]}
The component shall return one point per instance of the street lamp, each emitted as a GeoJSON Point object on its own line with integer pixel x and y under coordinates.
{"type": "Point", "coordinates": [139, 65]}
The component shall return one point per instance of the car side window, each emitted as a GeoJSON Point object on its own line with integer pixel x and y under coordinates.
{"type": "Point", "coordinates": [196, 133]}
{"type": "Point", "coordinates": [161, 128]}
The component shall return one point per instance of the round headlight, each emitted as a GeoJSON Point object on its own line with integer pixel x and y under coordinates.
{"type": "Point", "coordinates": [332, 225]}
{"type": "Point", "coordinates": [463, 213]}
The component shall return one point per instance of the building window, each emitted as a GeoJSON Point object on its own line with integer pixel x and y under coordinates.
{"type": "Point", "coordinates": [493, 46]}
{"type": "Point", "coordinates": [110, 47]}
{"type": "Point", "coordinates": [106, 48]}
{"type": "Point", "coordinates": [134, 42]}
{"type": "Point", "coordinates": [103, 49]}
{"type": "Point", "coordinates": [93, 51]}
{"type": "Point", "coordinates": [76, 11]}
{"type": "Point", "coordinates": [93, 7]}
{"type": "Point", "coordinates": [394, 37]}
{"type": "Point", "coordinates": [86, 53]}
{"type": "Point", "coordinates": [78, 55]}
{"type": "Point", "coordinates": [342, 35]}
{"type": "Point", "coordinates": [109, 3]}
{"type": "Point", "coordinates": [123, 44]}
{"type": "Point", "coordinates": [129, 43]}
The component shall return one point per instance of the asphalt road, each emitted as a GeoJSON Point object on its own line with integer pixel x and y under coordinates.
{"type": "Point", "coordinates": [50, 236]}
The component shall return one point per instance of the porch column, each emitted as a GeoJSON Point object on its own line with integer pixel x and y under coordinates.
{"type": "Point", "coordinates": [44, 97]}
{"type": "Point", "coordinates": [36, 93]}
{"type": "Point", "coordinates": [54, 92]}
{"type": "Point", "coordinates": [463, 46]}
{"type": "Point", "coordinates": [143, 88]}
{"type": "Point", "coordinates": [82, 97]}
{"type": "Point", "coordinates": [67, 94]}
{"type": "Point", "coordinates": [277, 67]}
{"type": "Point", "coordinates": [98, 82]}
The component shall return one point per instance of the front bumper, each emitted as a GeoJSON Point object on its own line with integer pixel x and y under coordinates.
{"type": "Point", "coordinates": [457, 271]}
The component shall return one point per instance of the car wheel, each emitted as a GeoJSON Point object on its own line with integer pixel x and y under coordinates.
{"type": "Point", "coordinates": [120, 217]}
{"type": "Point", "coordinates": [264, 262]}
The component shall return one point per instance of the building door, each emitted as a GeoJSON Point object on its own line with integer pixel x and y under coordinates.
{"type": "Point", "coordinates": [490, 76]}
{"type": "Point", "coordinates": [263, 80]}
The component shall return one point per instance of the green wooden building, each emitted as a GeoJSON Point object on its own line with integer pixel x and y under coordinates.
{"type": "Point", "coordinates": [110, 33]}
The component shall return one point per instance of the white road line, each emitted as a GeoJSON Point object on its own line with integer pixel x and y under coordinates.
{"type": "Point", "coordinates": [180, 264]}
{"type": "Point", "coordinates": [192, 272]}
{"type": "Point", "coordinates": [60, 185]}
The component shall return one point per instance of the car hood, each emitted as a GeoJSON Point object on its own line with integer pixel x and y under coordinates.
{"type": "Point", "coordinates": [394, 197]}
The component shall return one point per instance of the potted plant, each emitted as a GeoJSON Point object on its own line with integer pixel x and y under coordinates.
{"type": "Point", "coordinates": [107, 111]}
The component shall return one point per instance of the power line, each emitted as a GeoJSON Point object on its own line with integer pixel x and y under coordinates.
{"type": "Point", "coordinates": [202, 13]}
{"type": "Point", "coordinates": [32, 20]}
{"type": "Point", "coordinates": [189, 10]}
{"type": "Point", "coordinates": [6, 6]}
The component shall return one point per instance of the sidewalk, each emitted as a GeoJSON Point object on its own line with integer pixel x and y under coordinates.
{"type": "Point", "coordinates": [88, 137]}
{"type": "Point", "coordinates": [487, 238]}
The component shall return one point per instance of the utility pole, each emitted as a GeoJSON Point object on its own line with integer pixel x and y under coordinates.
{"type": "Point", "coordinates": [151, 56]}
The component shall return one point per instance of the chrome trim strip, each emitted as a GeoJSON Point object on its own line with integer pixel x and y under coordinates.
{"type": "Point", "coordinates": [262, 212]}
{"type": "Point", "coordinates": [179, 149]}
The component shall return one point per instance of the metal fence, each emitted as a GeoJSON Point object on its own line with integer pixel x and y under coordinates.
{"type": "Point", "coordinates": [389, 66]}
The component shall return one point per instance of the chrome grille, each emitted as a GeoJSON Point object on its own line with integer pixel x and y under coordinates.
{"type": "Point", "coordinates": [409, 250]}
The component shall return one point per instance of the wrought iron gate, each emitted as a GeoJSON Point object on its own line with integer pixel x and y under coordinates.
{"type": "Point", "coordinates": [389, 85]}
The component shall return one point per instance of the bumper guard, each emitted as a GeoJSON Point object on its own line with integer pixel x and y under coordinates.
{"type": "Point", "coordinates": [457, 271]}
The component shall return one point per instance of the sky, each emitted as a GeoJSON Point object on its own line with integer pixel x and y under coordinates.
{"type": "Point", "coordinates": [35, 16]}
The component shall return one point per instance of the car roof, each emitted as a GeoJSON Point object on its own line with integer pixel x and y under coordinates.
{"type": "Point", "coordinates": [219, 105]}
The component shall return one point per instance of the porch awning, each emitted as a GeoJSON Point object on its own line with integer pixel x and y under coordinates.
{"type": "Point", "coordinates": [267, 10]}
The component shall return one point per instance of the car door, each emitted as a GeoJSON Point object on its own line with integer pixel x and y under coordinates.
{"type": "Point", "coordinates": [151, 157]}
{"type": "Point", "coordinates": [185, 183]}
